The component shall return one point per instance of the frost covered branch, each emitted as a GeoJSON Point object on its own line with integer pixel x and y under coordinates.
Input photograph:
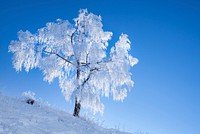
{"type": "Point", "coordinates": [59, 56]}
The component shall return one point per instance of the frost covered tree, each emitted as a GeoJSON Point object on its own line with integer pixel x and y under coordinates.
{"type": "Point", "coordinates": [77, 55]}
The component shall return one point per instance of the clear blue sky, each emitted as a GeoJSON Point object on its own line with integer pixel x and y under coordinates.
{"type": "Point", "coordinates": [165, 38]}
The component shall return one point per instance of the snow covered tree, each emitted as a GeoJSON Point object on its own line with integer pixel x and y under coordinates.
{"type": "Point", "coordinates": [77, 55]}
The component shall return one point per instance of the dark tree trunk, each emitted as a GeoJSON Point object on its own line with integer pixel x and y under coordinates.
{"type": "Point", "coordinates": [77, 108]}
{"type": "Point", "coordinates": [77, 103]}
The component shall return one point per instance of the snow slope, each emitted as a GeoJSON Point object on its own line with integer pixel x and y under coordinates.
{"type": "Point", "coordinates": [18, 117]}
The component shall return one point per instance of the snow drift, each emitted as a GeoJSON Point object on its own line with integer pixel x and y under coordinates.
{"type": "Point", "coordinates": [18, 117]}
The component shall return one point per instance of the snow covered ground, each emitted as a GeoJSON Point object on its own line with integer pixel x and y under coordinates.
{"type": "Point", "coordinates": [18, 117]}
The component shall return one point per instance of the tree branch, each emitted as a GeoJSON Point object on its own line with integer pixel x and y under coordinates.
{"type": "Point", "coordinates": [87, 58]}
{"type": "Point", "coordinates": [87, 79]}
{"type": "Point", "coordinates": [108, 60]}
{"type": "Point", "coordinates": [94, 69]}
{"type": "Point", "coordinates": [66, 60]}
{"type": "Point", "coordinates": [72, 36]}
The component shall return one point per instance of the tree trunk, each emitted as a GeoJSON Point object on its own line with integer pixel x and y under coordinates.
{"type": "Point", "coordinates": [77, 108]}
{"type": "Point", "coordinates": [77, 103]}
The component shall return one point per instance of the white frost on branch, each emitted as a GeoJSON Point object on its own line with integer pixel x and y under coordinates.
{"type": "Point", "coordinates": [76, 55]}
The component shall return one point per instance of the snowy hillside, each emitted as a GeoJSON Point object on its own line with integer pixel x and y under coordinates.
{"type": "Point", "coordinates": [18, 117]}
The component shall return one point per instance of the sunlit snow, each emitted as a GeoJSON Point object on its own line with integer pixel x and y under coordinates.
{"type": "Point", "coordinates": [18, 117]}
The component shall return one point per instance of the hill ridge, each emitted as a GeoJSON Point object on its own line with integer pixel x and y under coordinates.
{"type": "Point", "coordinates": [18, 117]}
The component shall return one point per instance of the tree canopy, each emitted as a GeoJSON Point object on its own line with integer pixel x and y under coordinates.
{"type": "Point", "coordinates": [77, 55]}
